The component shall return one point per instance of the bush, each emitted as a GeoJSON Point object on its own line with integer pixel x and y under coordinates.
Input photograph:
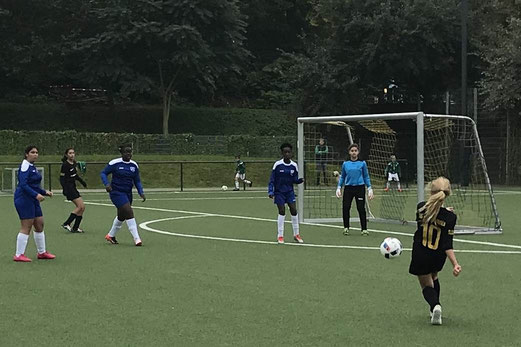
{"type": "Point", "coordinates": [55, 142]}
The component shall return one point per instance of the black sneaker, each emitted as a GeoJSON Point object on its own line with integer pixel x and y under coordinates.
{"type": "Point", "coordinates": [111, 239]}
{"type": "Point", "coordinates": [235, 189]}
{"type": "Point", "coordinates": [251, 184]}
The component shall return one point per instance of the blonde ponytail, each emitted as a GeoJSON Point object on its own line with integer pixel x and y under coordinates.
{"type": "Point", "coordinates": [440, 189]}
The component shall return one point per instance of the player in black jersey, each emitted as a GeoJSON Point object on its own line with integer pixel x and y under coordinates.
{"type": "Point", "coordinates": [68, 177]}
{"type": "Point", "coordinates": [433, 244]}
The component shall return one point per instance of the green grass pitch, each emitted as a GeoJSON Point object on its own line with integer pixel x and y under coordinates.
{"type": "Point", "coordinates": [210, 273]}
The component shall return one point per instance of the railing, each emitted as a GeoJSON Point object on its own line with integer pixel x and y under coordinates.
{"type": "Point", "coordinates": [181, 175]}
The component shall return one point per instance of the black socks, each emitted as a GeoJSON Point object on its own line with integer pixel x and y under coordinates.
{"type": "Point", "coordinates": [431, 296]}
{"type": "Point", "coordinates": [70, 219]}
{"type": "Point", "coordinates": [77, 222]}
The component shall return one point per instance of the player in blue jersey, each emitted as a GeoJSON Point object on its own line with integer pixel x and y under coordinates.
{"type": "Point", "coordinates": [27, 198]}
{"type": "Point", "coordinates": [354, 177]}
{"type": "Point", "coordinates": [280, 188]}
{"type": "Point", "coordinates": [125, 174]}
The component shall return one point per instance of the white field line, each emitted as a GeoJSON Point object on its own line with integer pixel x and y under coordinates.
{"type": "Point", "coordinates": [189, 199]}
{"type": "Point", "coordinates": [205, 214]}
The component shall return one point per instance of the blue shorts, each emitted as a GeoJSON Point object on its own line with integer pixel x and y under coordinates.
{"type": "Point", "coordinates": [120, 198]}
{"type": "Point", "coordinates": [284, 198]}
{"type": "Point", "coordinates": [27, 208]}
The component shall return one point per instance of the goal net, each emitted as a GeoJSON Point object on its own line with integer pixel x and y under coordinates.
{"type": "Point", "coordinates": [424, 147]}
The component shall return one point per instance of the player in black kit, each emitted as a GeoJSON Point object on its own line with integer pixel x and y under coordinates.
{"type": "Point", "coordinates": [68, 177]}
{"type": "Point", "coordinates": [433, 244]}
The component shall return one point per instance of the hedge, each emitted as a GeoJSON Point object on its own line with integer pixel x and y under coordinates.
{"type": "Point", "coordinates": [55, 142]}
{"type": "Point", "coordinates": [146, 119]}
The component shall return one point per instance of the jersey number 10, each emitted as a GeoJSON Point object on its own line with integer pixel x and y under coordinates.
{"type": "Point", "coordinates": [428, 236]}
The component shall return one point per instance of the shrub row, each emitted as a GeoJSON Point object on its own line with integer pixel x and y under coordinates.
{"type": "Point", "coordinates": [55, 142]}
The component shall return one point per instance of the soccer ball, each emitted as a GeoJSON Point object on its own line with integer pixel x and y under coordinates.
{"type": "Point", "coordinates": [224, 188]}
{"type": "Point", "coordinates": [391, 248]}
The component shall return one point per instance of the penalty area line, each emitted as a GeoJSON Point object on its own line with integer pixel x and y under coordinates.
{"type": "Point", "coordinates": [494, 244]}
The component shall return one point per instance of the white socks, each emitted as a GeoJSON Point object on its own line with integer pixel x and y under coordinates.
{"type": "Point", "coordinates": [39, 239]}
{"type": "Point", "coordinates": [294, 223]}
{"type": "Point", "coordinates": [236, 184]}
{"type": "Point", "coordinates": [132, 226]}
{"type": "Point", "coordinates": [116, 225]}
{"type": "Point", "coordinates": [280, 225]}
{"type": "Point", "coordinates": [21, 243]}
{"type": "Point", "coordinates": [247, 182]}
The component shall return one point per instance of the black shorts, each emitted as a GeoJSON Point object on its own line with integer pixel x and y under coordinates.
{"type": "Point", "coordinates": [424, 261]}
{"type": "Point", "coordinates": [71, 193]}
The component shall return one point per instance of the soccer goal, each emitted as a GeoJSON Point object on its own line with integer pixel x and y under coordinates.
{"type": "Point", "coordinates": [425, 147]}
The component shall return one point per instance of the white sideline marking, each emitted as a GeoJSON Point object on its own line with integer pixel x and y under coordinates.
{"type": "Point", "coordinates": [205, 214]}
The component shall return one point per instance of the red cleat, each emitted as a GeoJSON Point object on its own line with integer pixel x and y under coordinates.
{"type": "Point", "coordinates": [138, 243]}
{"type": "Point", "coordinates": [46, 255]}
{"type": "Point", "coordinates": [22, 258]}
{"type": "Point", "coordinates": [280, 240]}
{"type": "Point", "coordinates": [298, 239]}
{"type": "Point", "coordinates": [386, 189]}
{"type": "Point", "coordinates": [399, 190]}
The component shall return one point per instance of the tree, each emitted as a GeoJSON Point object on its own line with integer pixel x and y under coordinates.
{"type": "Point", "coordinates": [31, 32]}
{"type": "Point", "coordinates": [163, 45]}
{"type": "Point", "coordinates": [499, 42]}
{"type": "Point", "coordinates": [365, 44]}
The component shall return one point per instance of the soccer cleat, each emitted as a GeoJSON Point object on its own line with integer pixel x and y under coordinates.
{"type": "Point", "coordinates": [80, 230]}
{"type": "Point", "coordinates": [436, 315]}
{"type": "Point", "coordinates": [67, 227]}
{"type": "Point", "coordinates": [138, 243]}
{"type": "Point", "coordinates": [46, 255]}
{"type": "Point", "coordinates": [386, 189]}
{"type": "Point", "coordinates": [280, 240]}
{"type": "Point", "coordinates": [298, 239]}
{"type": "Point", "coordinates": [346, 231]}
{"type": "Point", "coordinates": [22, 258]}
{"type": "Point", "coordinates": [365, 232]}
{"type": "Point", "coordinates": [251, 184]}
{"type": "Point", "coordinates": [400, 190]}
{"type": "Point", "coordinates": [111, 239]}
{"type": "Point", "coordinates": [235, 189]}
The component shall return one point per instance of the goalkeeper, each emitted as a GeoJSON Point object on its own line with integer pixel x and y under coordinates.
{"type": "Point", "coordinates": [393, 173]}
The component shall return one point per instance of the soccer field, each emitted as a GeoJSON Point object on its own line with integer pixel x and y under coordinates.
{"type": "Point", "coordinates": [210, 273]}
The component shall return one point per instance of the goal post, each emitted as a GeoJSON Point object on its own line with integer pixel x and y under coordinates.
{"type": "Point", "coordinates": [428, 146]}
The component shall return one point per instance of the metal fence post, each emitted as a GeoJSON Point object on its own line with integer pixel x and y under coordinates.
{"type": "Point", "coordinates": [181, 175]}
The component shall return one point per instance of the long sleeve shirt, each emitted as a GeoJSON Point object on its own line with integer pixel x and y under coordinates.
{"type": "Point", "coordinates": [69, 175]}
{"type": "Point", "coordinates": [283, 177]}
{"type": "Point", "coordinates": [354, 173]}
{"type": "Point", "coordinates": [29, 180]}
